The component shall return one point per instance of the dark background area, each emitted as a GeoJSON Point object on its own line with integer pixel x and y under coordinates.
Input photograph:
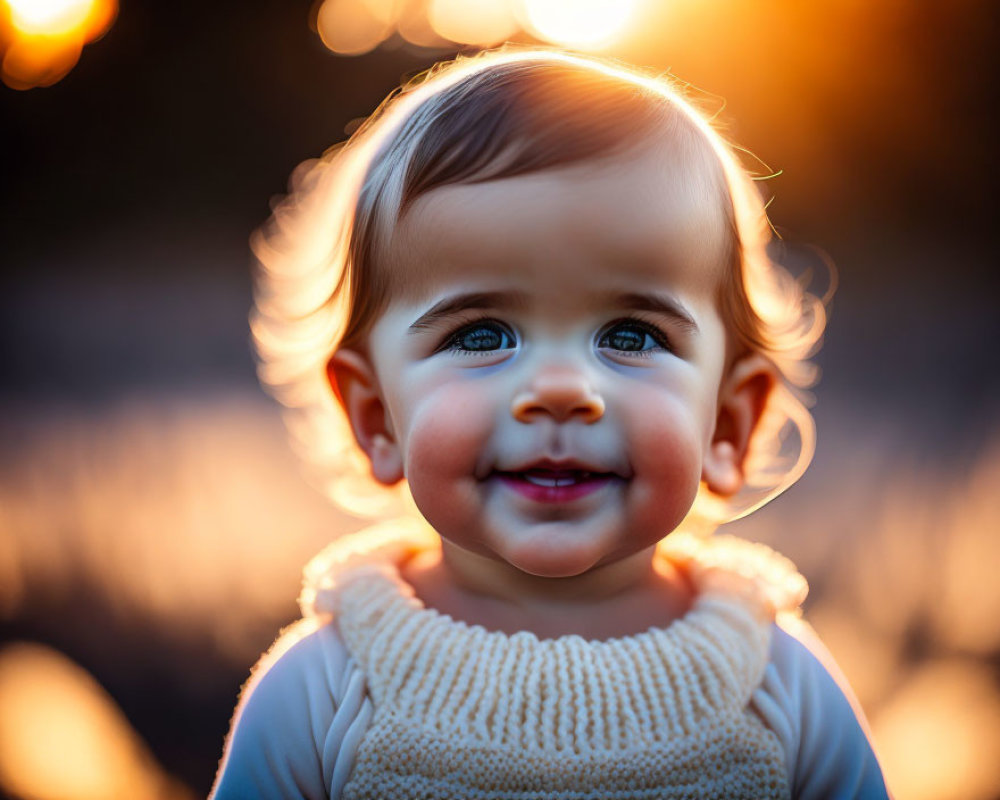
{"type": "Point", "coordinates": [129, 190]}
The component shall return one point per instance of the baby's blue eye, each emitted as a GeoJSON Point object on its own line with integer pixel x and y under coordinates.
{"type": "Point", "coordinates": [481, 337]}
{"type": "Point", "coordinates": [633, 337]}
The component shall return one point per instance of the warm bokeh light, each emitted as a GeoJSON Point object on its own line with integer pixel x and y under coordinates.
{"type": "Point", "coordinates": [909, 611]}
{"type": "Point", "coordinates": [33, 61]}
{"type": "Point", "coordinates": [415, 27]}
{"type": "Point", "coordinates": [63, 738]}
{"type": "Point", "coordinates": [352, 27]}
{"type": "Point", "coordinates": [41, 40]}
{"type": "Point", "coordinates": [477, 22]}
{"type": "Point", "coordinates": [175, 551]}
{"type": "Point", "coordinates": [968, 561]}
{"type": "Point", "coordinates": [580, 24]}
{"type": "Point", "coordinates": [938, 734]}
{"type": "Point", "coordinates": [51, 17]}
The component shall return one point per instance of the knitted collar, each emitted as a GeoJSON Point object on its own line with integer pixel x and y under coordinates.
{"type": "Point", "coordinates": [574, 694]}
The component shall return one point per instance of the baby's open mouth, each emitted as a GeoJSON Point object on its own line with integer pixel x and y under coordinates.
{"type": "Point", "coordinates": [554, 485]}
{"type": "Point", "coordinates": [550, 477]}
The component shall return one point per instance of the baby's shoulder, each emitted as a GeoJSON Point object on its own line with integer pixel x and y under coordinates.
{"type": "Point", "coordinates": [308, 664]}
{"type": "Point", "coordinates": [797, 681]}
{"type": "Point", "coordinates": [298, 719]}
{"type": "Point", "coordinates": [804, 669]}
{"type": "Point", "coordinates": [805, 700]}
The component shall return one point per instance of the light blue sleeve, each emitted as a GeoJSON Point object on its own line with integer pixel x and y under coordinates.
{"type": "Point", "coordinates": [298, 723]}
{"type": "Point", "coordinates": [828, 752]}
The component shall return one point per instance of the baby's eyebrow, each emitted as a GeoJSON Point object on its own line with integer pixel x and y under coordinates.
{"type": "Point", "coordinates": [658, 304]}
{"type": "Point", "coordinates": [465, 300]}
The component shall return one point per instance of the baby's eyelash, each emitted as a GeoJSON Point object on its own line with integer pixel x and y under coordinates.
{"type": "Point", "coordinates": [654, 332]}
{"type": "Point", "coordinates": [457, 340]}
{"type": "Point", "coordinates": [452, 341]}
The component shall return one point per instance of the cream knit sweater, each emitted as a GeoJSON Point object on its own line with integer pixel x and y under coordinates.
{"type": "Point", "coordinates": [462, 712]}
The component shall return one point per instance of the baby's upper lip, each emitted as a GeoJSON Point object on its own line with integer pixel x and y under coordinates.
{"type": "Point", "coordinates": [558, 466]}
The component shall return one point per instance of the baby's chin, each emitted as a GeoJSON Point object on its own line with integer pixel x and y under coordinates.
{"type": "Point", "coordinates": [552, 550]}
{"type": "Point", "coordinates": [551, 568]}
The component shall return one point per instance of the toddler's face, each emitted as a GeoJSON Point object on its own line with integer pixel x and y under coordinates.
{"type": "Point", "coordinates": [551, 378]}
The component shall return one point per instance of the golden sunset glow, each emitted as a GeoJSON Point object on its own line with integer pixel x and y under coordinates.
{"type": "Point", "coordinates": [480, 22]}
{"type": "Point", "coordinates": [353, 27]}
{"type": "Point", "coordinates": [580, 24]}
{"type": "Point", "coordinates": [938, 733]}
{"type": "Point", "coordinates": [52, 17]}
{"type": "Point", "coordinates": [63, 738]}
{"type": "Point", "coordinates": [43, 39]}
{"type": "Point", "coordinates": [414, 26]}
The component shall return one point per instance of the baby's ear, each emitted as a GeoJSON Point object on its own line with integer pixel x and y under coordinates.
{"type": "Point", "coordinates": [355, 385]}
{"type": "Point", "coordinates": [742, 399]}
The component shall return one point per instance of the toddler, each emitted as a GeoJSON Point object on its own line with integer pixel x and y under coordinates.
{"type": "Point", "coordinates": [534, 285]}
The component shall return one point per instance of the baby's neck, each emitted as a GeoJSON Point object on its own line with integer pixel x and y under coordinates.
{"type": "Point", "coordinates": [620, 599]}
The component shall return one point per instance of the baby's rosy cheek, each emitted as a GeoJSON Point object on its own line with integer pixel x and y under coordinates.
{"type": "Point", "coordinates": [665, 454]}
{"type": "Point", "coordinates": [448, 431]}
{"type": "Point", "coordinates": [447, 435]}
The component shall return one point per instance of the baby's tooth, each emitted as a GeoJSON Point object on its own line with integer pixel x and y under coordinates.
{"type": "Point", "coordinates": [556, 480]}
{"type": "Point", "coordinates": [542, 481]}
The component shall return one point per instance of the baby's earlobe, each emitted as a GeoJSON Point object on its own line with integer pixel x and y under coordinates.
{"type": "Point", "coordinates": [355, 384]}
{"type": "Point", "coordinates": [387, 466]}
{"type": "Point", "coordinates": [722, 471]}
{"type": "Point", "coordinates": [743, 397]}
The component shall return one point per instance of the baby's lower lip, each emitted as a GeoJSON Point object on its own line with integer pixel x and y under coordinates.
{"type": "Point", "coordinates": [564, 489]}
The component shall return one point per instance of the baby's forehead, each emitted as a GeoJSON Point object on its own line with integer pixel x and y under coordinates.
{"type": "Point", "coordinates": [646, 215]}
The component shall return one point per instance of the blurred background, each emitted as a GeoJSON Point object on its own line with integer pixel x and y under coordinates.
{"type": "Point", "coordinates": [153, 520]}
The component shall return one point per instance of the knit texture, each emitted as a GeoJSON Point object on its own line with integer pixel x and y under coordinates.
{"type": "Point", "coordinates": [462, 712]}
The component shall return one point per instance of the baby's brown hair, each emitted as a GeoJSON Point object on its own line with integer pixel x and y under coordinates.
{"type": "Point", "coordinates": [324, 276]}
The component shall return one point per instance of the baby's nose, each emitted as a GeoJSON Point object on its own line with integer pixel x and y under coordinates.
{"type": "Point", "coordinates": [558, 393]}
